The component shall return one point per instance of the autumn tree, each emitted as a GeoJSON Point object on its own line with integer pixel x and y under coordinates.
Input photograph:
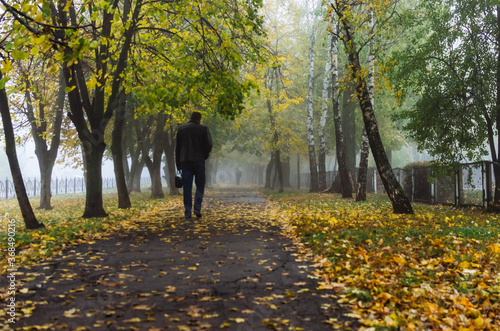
{"type": "Point", "coordinates": [29, 217]}
{"type": "Point", "coordinates": [351, 24]}
{"type": "Point", "coordinates": [92, 102]}
{"type": "Point", "coordinates": [312, 30]}
{"type": "Point", "coordinates": [7, 55]}
{"type": "Point", "coordinates": [41, 101]}
{"type": "Point", "coordinates": [196, 65]}
{"type": "Point", "coordinates": [208, 42]}
{"type": "Point", "coordinates": [329, 87]}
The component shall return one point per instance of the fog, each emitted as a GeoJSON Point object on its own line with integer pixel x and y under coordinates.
{"type": "Point", "coordinates": [224, 171]}
{"type": "Point", "coordinates": [29, 165]}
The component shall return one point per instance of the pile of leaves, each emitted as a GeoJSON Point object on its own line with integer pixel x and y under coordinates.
{"type": "Point", "coordinates": [437, 269]}
{"type": "Point", "coordinates": [64, 225]}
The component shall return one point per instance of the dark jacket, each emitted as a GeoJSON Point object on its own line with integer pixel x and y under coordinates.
{"type": "Point", "coordinates": [193, 143]}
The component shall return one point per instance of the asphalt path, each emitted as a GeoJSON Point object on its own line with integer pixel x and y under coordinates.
{"type": "Point", "coordinates": [231, 269]}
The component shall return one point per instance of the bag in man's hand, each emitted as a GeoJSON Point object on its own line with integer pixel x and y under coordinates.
{"type": "Point", "coordinates": [178, 181]}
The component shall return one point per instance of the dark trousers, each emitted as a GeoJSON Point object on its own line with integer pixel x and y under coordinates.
{"type": "Point", "coordinates": [190, 170]}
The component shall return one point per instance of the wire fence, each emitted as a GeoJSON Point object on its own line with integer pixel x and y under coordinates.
{"type": "Point", "coordinates": [472, 184]}
{"type": "Point", "coordinates": [68, 185]}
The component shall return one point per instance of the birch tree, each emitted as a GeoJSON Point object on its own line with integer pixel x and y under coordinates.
{"type": "Point", "coordinates": [313, 166]}
{"type": "Point", "coordinates": [351, 39]}
{"type": "Point", "coordinates": [365, 148]}
{"type": "Point", "coordinates": [324, 111]}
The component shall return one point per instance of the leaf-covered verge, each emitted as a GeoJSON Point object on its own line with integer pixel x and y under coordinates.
{"type": "Point", "coordinates": [438, 269]}
{"type": "Point", "coordinates": [64, 225]}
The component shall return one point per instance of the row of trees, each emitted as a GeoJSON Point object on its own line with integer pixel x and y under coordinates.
{"type": "Point", "coordinates": [432, 68]}
{"type": "Point", "coordinates": [291, 84]}
{"type": "Point", "coordinates": [119, 62]}
{"type": "Point", "coordinates": [126, 72]}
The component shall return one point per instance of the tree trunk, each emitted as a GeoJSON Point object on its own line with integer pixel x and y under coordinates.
{"type": "Point", "coordinates": [279, 170]}
{"type": "Point", "coordinates": [365, 147]}
{"type": "Point", "coordinates": [363, 168]}
{"type": "Point", "coordinates": [269, 172]}
{"type": "Point", "coordinates": [169, 147]}
{"type": "Point", "coordinates": [135, 168]}
{"type": "Point", "coordinates": [29, 217]}
{"type": "Point", "coordinates": [275, 145]}
{"type": "Point", "coordinates": [343, 174]}
{"type": "Point", "coordinates": [117, 152]}
{"type": "Point", "coordinates": [496, 198]}
{"type": "Point", "coordinates": [154, 165]}
{"type": "Point", "coordinates": [45, 184]}
{"type": "Point", "coordinates": [215, 169]}
{"type": "Point", "coordinates": [286, 172]}
{"type": "Point", "coordinates": [117, 141]}
{"type": "Point", "coordinates": [137, 175]}
{"type": "Point", "coordinates": [137, 164]}
{"type": "Point", "coordinates": [322, 123]}
{"type": "Point", "coordinates": [209, 171]}
{"type": "Point", "coordinates": [314, 184]}
{"type": "Point", "coordinates": [349, 132]}
{"type": "Point", "coordinates": [155, 173]}
{"type": "Point", "coordinates": [400, 202]}
{"type": "Point", "coordinates": [260, 174]}
{"type": "Point", "coordinates": [93, 179]}
{"type": "Point", "coordinates": [298, 171]}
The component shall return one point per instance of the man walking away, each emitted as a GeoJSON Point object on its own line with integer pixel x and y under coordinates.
{"type": "Point", "coordinates": [192, 148]}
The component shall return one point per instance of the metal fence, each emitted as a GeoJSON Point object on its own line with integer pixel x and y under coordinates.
{"type": "Point", "coordinates": [472, 184]}
{"type": "Point", "coordinates": [57, 186]}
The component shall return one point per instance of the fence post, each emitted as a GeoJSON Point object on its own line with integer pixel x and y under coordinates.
{"type": "Point", "coordinates": [412, 183]}
{"type": "Point", "coordinates": [432, 198]}
{"type": "Point", "coordinates": [459, 186]}
{"type": "Point", "coordinates": [57, 186]}
{"type": "Point", "coordinates": [34, 186]}
{"type": "Point", "coordinates": [487, 184]}
{"type": "Point", "coordinates": [66, 185]}
{"type": "Point", "coordinates": [6, 188]}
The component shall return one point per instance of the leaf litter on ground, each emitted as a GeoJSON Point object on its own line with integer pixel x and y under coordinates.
{"type": "Point", "coordinates": [438, 269]}
{"type": "Point", "coordinates": [65, 228]}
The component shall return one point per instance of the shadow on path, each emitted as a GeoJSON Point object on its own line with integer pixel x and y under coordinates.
{"type": "Point", "coordinates": [229, 269]}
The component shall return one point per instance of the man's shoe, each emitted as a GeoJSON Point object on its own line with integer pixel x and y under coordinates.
{"type": "Point", "coordinates": [187, 217]}
{"type": "Point", "coordinates": [198, 213]}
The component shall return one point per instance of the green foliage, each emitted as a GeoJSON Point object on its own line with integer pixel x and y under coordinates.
{"type": "Point", "coordinates": [449, 67]}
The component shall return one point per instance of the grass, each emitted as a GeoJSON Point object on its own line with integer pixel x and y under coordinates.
{"type": "Point", "coordinates": [438, 268]}
{"type": "Point", "coordinates": [64, 225]}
